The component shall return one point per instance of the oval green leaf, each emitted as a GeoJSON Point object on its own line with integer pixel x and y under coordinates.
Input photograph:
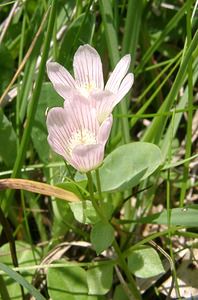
{"type": "Point", "coordinates": [102, 236]}
{"type": "Point", "coordinates": [145, 263]}
{"type": "Point", "coordinates": [67, 283]}
{"type": "Point", "coordinates": [99, 279]}
{"type": "Point", "coordinates": [129, 164]}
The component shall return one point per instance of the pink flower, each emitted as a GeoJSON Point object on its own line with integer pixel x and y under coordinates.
{"type": "Point", "coordinates": [89, 82]}
{"type": "Point", "coordinates": [75, 134]}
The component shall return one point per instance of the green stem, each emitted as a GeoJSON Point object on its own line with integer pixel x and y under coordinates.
{"type": "Point", "coordinates": [124, 266]}
{"type": "Point", "coordinates": [99, 185]}
{"type": "Point", "coordinates": [18, 121]}
{"type": "Point", "coordinates": [93, 199]}
{"type": "Point", "coordinates": [168, 201]}
{"type": "Point", "coordinates": [190, 110]}
{"type": "Point", "coordinates": [116, 247]}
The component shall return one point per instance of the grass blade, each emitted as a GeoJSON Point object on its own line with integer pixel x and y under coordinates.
{"type": "Point", "coordinates": [18, 278]}
{"type": "Point", "coordinates": [157, 124]}
{"type": "Point", "coordinates": [34, 100]}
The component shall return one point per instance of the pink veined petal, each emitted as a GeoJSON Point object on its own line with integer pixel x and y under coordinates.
{"type": "Point", "coordinates": [88, 68]}
{"type": "Point", "coordinates": [81, 114]}
{"type": "Point", "coordinates": [87, 157]}
{"type": "Point", "coordinates": [118, 74]}
{"type": "Point", "coordinates": [105, 130]}
{"type": "Point", "coordinates": [124, 88]}
{"type": "Point", "coordinates": [61, 79]}
{"type": "Point", "coordinates": [104, 103]}
{"type": "Point", "coordinates": [59, 131]}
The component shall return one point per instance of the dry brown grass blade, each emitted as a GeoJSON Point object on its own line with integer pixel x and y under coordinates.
{"type": "Point", "coordinates": [37, 187]}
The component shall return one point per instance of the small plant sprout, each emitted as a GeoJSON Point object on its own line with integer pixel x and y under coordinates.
{"type": "Point", "coordinates": [75, 134]}
{"type": "Point", "coordinates": [89, 82]}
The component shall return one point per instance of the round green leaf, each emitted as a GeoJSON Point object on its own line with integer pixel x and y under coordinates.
{"type": "Point", "coordinates": [119, 293]}
{"type": "Point", "coordinates": [67, 283]}
{"type": "Point", "coordinates": [102, 235]}
{"type": "Point", "coordinates": [145, 263]}
{"type": "Point", "coordinates": [84, 212]}
{"type": "Point", "coordinates": [129, 164]}
{"type": "Point", "coordinates": [99, 279]}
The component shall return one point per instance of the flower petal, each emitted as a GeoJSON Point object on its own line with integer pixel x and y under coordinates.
{"type": "Point", "coordinates": [125, 86]}
{"type": "Point", "coordinates": [105, 130]}
{"type": "Point", "coordinates": [88, 68]}
{"type": "Point", "coordinates": [118, 74]}
{"type": "Point", "coordinates": [59, 131]}
{"type": "Point", "coordinates": [87, 157]}
{"type": "Point", "coordinates": [104, 103]}
{"type": "Point", "coordinates": [61, 79]}
{"type": "Point", "coordinates": [81, 113]}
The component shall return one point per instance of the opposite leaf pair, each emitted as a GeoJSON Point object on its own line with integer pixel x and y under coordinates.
{"type": "Point", "coordinates": [80, 130]}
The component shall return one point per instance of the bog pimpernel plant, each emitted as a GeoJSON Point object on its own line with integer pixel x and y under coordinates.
{"type": "Point", "coordinates": [80, 130]}
{"type": "Point", "coordinates": [98, 192]}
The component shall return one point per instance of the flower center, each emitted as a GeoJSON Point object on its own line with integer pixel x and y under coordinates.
{"type": "Point", "coordinates": [86, 88]}
{"type": "Point", "coordinates": [81, 137]}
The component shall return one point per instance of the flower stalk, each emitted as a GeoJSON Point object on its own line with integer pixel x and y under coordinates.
{"type": "Point", "coordinates": [116, 247]}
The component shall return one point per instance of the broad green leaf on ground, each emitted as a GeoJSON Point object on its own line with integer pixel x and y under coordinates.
{"type": "Point", "coordinates": [48, 99]}
{"type": "Point", "coordinates": [68, 283]}
{"type": "Point", "coordinates": [102, 236]}
{"type": "Point", "coordinates": [6, 67]}
{"type": "Point", "coordinates": [99, 279]}
{"type": "Point", "coordinates": [129, 164]}
{"type": "Point", "coordinates": [26, 257]}
{"type": "Point", "coordinates": [179, 216]}
{"type": "Point", "coordinates": [145, 263]}
{"type": "Point", "coordinates": [8, 145]}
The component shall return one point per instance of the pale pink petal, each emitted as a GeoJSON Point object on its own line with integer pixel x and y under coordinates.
{"type": "Point", "coordinates": [87, 157]}
{"type": "Point", "coordinates": [59, 131]}
{"type": "Point", "coordinates": [88, 68]}
{"type": "Point", "coordinates": [104, 103]}
{"type": "Point", "coordinates": [124, 87]}
{"type": "Point", "coordinates": [105, 130]}
{"type": "Point", "coordinates": [118, 74]}
{"type": "Point", "coordinates": [82, 114]}
{"type": "Point", "coordinates": [61, 79]}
